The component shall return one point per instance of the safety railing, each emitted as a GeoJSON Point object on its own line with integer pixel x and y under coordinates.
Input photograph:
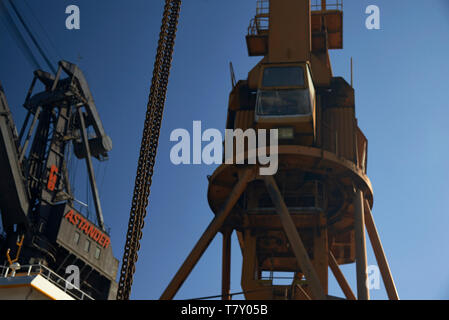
{"type": "Point", "coordinates": [317, 5]}
{"type": "Point", "coordinates": [263, 7]}
{"type": "Point", "coordinates": [45, 272]}
{"type": "Point", "coordinates": [260, 24]}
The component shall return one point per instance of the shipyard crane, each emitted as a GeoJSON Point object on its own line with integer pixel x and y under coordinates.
{"type": "Point", "coordinates": [45, 233]}
{"type": "Point", "coordinates": [312, 214]}
{"type": "Point", "coordinates": [36, 200]}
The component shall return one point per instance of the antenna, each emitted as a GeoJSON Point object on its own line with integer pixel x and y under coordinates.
{"type": "Point", "coordinates": [352, 74]}
{"type": "Point", "coordinates": [233, 82]}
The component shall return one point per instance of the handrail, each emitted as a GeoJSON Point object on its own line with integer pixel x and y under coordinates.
{"type": "Point", "coordinates": [53, 277]}
{"type": "Point", "coordinates": [258, 25]}
{"type": "Point", "coordinates": [335, 5]}
{"type": "Point", "coordinates": [261, 21]}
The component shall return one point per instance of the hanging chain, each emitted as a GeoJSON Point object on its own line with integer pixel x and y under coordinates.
{"type": "Point", "coordinates": [148, 149]}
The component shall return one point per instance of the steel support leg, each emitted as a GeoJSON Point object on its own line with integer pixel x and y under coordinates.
{"type": "Point", "coordinates": [380, 254]}
{"type": "Point", "coordinates": [226, 265]}
{"type": "Point", "coordinates": [360, 246]}
{"type": "Point", "coordinates": [302, 293]}
{"type": "Point", "coordinates": [295, 241]}
{"type": "Point", "coordinates": [207, 237]}
{"type": "Point", "coordinates": [344, 285]}
{"type": "Point", "coordinates": [90, 170]}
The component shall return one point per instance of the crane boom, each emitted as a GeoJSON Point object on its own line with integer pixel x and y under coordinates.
{"type": "Point", "coordinates": [148, 149]}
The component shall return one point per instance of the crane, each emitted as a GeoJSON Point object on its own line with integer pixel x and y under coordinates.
{"type": "Point", "coordinates": [43, 229]}
{"type": "Point", "coordinates": [312, 214]}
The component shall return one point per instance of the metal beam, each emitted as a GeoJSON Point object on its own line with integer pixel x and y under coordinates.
{"type": "Point", "coordinates": [90, 170]}
{"type": "Point", "coordinates": [360, 247]}
{"type": "Point", "coordinates": [30, 133]}
{"type": "Point", "coordinates": [302, 293]}
{"type": "Point", "coordinates": [339, 276]}
{"type": "Point", "coordinates": [295, 241]}
{"type": "Point", "coordinates": [207, 236]}
{"type": "Point", "coordinates": [226, 265]}
{"type": "Point", "coordinates": [320, 251]}
{"type": "Point", "coordinates": [381, 258]}
{"type": "Point", "coordinates": [323, 4]}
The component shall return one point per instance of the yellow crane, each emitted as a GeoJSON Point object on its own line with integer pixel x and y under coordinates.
{"type": "Point", "coordinates": [312, 213]}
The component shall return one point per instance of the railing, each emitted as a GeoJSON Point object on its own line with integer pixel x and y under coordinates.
{"type": "Point", "coordinates": [263, 7]}
{"type": "Point", "coordinates": [330, 4]}
{"type": "Point", "coordinates": [260, 23]}
{"type": "Point", "coordinates": [54, 278]}
{"type": "Point", "coordinates": [258, 26]}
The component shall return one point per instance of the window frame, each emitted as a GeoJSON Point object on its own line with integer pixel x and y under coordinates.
{"type": "Point", "coordinates": [307, 75]}
{"type": "Point", "coordinates": [76, 238]}
{"type": "Point", "coordinates": [97, 254]}
{"type": "Point", "coordinates": [88, 244]}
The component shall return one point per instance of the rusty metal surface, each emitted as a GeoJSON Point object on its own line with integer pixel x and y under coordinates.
{"type": "Point", "coordinates": [208, 235]}
{"type": "Point", "coordinates": [149, 145]}
{"type": "Point", "coordinates": [339, 176]}
{"type": "Point", "coordinates": [223, 177]}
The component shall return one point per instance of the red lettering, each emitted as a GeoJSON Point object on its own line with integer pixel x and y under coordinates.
{"type": "Point", "coordinates": [101, 240]}
{"type": "Point", "coordinates": [85, 227]}
{"type": "Point", "coordinates": [76, 220]}
{"type": "Point", "coordinates": [69, 216]}
{"type": "Point", "coordinates": [82, 223]}
{"type": "Point", "coordinates": [52, 178]}
{"type": "Point", "coordinates": [97, 236]}
{"type": "Point", "coordinates": [106, 242]}
{"type": "Point", "coordinates": [89, 229]}
{"type": "Point", "coordinates": [92, 231]}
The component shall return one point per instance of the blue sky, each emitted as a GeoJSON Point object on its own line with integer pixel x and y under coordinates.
{"type": "Point", "coordinates": [400, 78]}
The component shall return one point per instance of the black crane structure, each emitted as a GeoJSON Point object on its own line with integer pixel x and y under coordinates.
{"type": "Point", "coordinates": [41, 224]}
{"type": "Point", "coordinates": [36, 200]}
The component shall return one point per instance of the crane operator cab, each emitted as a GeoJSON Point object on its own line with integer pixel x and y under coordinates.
{"type": "Point", "coordinates": [286, 101]}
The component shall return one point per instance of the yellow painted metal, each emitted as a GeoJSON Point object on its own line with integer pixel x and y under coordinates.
{"type": "Point", "coordinates": [305, 217]}
{"type": "Point", "coordinates": [290, 38]}
{"type": "Point", "coordinates": [380, 254]}
{"type": "Point", "coordinates": [19, 244]}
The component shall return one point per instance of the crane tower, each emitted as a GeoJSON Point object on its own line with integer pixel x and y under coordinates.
{"type": "Point", "coordinates": [311, 215]}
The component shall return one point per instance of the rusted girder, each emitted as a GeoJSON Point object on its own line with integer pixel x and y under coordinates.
{"type": "Point", "coordinates": [207, 236]}
{"type": "Point", "coordinates": [381, 258]}
{"type": "Point", "coordinates": [295, 241]}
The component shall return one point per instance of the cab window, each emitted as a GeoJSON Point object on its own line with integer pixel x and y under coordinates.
{"type": "Point", "coordinates": [283, 77]}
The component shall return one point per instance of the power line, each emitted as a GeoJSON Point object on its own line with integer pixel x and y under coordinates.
{"type": "Point", "coordinates": [30, 34]}
{"type": "Point", "coordinates": [55, 48]}
{"type": "Point", "coordinates": [15, 32]}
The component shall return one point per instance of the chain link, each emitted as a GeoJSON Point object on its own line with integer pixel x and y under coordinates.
{"type": "Point", "coordinates": [148, 149]}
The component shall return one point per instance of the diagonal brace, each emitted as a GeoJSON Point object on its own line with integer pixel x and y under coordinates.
{"type": "Point", "coordinates": [293, 237]}
{"type": "Point", "coordinates": [207, 236]}
{"type": "Point", "coordinates": [380, 254]}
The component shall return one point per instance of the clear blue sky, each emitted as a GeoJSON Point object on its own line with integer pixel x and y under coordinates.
{"type": "Point", "coordinates": [401, 83]}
